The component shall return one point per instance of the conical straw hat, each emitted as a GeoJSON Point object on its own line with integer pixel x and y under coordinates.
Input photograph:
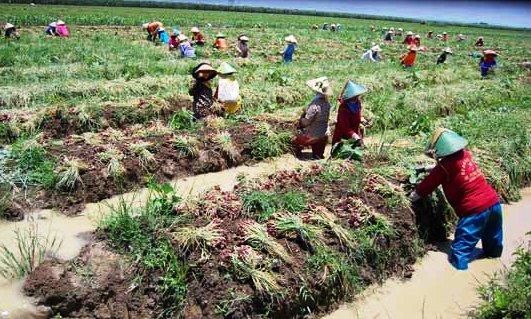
{"type": "Point", "coordinates": [60, 22]}
{"type": "Point", "coordinates": [194, 29]}
{"type": "Point", "coordinates": [446, 142]}
{"type": "Point", "coordinates": [320, 85]}
{"type": "Point", "coordinates": [220, 35]}
{"type": "Point", "coordinates": [352, 89]}
{"type": "Point", "coordinates": [205, 67]}
{"type": "Point", "coordinates": [8, 25]}
{"type": "Point", "coordinates": [182, 37]}
{"type": "Point", "coordinates": [376, 48]}
{"type": "Point", "coordinates": [448, 50]}
{"type": "Point", "coordinates": [490, 52]}
{"type": "Point", "coordinates": [244, 38]}
{"type": "Point", "coordinates": [291, 39]}
{"type": "Point", "coordinates": [226, 68]}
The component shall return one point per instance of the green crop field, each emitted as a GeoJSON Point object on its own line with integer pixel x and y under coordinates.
{"type": "Point", "coordinates": [104, 112]}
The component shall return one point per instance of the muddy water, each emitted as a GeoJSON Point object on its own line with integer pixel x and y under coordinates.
{"type": "Point", "coordinates": [437, 290]}
{"type": "Point", "coordinates": [70, 229]}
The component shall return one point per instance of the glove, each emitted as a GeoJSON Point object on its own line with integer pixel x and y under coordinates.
{"type": "Point", "coordinates": [414, 196]}
{"type": "Point", "coordinates": [355, 136]}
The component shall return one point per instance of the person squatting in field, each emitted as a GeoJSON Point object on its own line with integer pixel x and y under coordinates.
{"type": "Point", "coordinates": [372, 54]}
{"type": "Point", "coordinates": [444, 55]}
{"type": "Point", "coordinates": [349, 119]}
{"type": "Point", "coordinates": [408, 60]}
{"type": "Point", "coordinates": [313, 123]}
{"type": "Point", "coordinates": [197, 37]}
{"type": "Point", "coordinates": [488, 62]}
{"type": "Point", "coordinates": [173, 44]}
{"type": "Point", "coordinates": [221, 43]}
{"type": "Point", "coordinates": [242, 49]}
{"type": "Point", "coordinates": [185, 48]}
{"type": "Point", "coordinates": [228, 90]}
{"type": "Point", "coordinates": [11, 31]}
{"type": "Point", "coordinates": [289, 50]}
{"type": "Point", "coordinates": [51, 29]}
{"type": "Point", "coordinates": [475, 202]}
{"type": "Point", "coordinates": [201, 90]}
{"type": "Point", "coordinates": [152, 30]}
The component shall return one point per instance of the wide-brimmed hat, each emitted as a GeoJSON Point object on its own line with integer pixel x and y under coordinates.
{"type": "Point", "coordinates": [409, 33]}
{"type": "Point", "coordinates": [448, 50]}
{"type": "Point", "coordinates": [220, 35]}
{"type": "Point", "coordinates": [392, 29]}
{"type": "Point", "coordinates": [226, 68]}
{"type": "Point", "coordinates": [400, 29]}
{"type": "Point", "coordinates": [182, 37]}
{"type": "Point", "coordinates": [480, 38]}
{"type": "Point", "coordinates": [417, 36]}
{"type": "Point", "coordinates": [291, 39]}
{"type": "Point", "coordinates": [430, 31]}
{"type": "Point", "coordinates": [205, 67]}
{"type": "Point", "coordinates": [8, 25]}
{"type": "Point", "coordinates": [490, 52]}
{"type": "Point", "coordinates": [160, 29]}
{"type": "Point", "coordinates": [243, 38]}
{"type": "Point", "coordinates": [376, 48]}
{"type": "Point", "coordinates": [444, 33]}
{"type": "Point", "coordinates": [194, 29]}
{"type": "Point", "coordinates": [144, 25]}
{"type": "Point", "coordinates": [320, 85]}
{"type": "Point", "coordinates": [53, 24]}
{"type": "Point", "coordinates": [460, 35]}
{"type": "Point", "coordinates": [445, 142]}
{"type": "Point", "coordinates": [351, 90]}
{"type": "Point", "coordinates": [60, 22]}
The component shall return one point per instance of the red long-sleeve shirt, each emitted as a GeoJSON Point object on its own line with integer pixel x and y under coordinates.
{"type": "Point", "coordinates": [464, 186]}
{"type": "Point", "coordinates": [347, 124]}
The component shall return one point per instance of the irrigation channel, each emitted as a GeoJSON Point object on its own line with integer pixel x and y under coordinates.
{"type": "Point", "coordinates": [436, 290]}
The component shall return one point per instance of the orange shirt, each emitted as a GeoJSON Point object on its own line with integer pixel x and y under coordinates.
{"type": "Point", "coordinates": [409, 59]}
{"type": "Point", "coordinates": [221, 44]}
{"type": "Point", "coordinates": [152, 27]}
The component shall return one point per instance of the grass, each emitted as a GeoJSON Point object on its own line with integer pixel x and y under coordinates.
{"type": "Point", "coordinates": [265, 204]}
{"type": "Point", "coordinates": [270, 143]}
{"type": "Point", "coordinates": [186, 146]}
{"type": "Point", "coordinates": [309, 235]}
{"type": "Point", "coordinates": [507, 294]}
{"type": "Point", "coordinates": [69, 174]}
{"type": "Point", "coordinates": [329, 220]}
{"type": "Point", "coordinates": [144, 155]}
{"type": "Point", "coordinates": [31, 250]}
{"type": "Point", "coordinates": [113, 157]}
{"type": "Point", "coordinates": [191, 237]}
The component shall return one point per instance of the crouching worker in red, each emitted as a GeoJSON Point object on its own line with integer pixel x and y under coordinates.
{"type": "Point", "coordinates": [348, 125]}
{"type": "Point", "coordinates": [313, 123]}
{"type": "Point", "coordinates": [466, 189]}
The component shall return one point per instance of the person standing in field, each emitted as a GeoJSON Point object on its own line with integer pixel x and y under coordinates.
{"type": "Point", "coordinates": [479, 42]}
{"type": "Point", "coordinates": [408, 60]}
{"type": "Point", "coordinates": [349, 119]}
{"type": "Point", "coordinates": [228, 90]}
{"type": "Point", "coordinates": [242, 49]}
{"type": "Point", "coordinates": [372, 54]}
{"type": "Point", "coordinates": [474, 201]}
{"type": "Point", "coordinates": [444, 55]}
{"type": "Point", "coordinates": [11, 31]}
{"type": "Point", "coordinates": [488, 62]}
{"type": "Point", "coordinates": [313, 123]}
{"type": "Point", "coordinates": [185, 48]}
{"type": "Point", "coordinates": [201, 90]}
{"type": "Point", "coordinates": [51, 29]}
{"type": "Point", "coordinates": [287, 53]}
{"type": "Point", "coordinates": [221, 43]}
{"type": "Point", "coordinates": [197, 37]}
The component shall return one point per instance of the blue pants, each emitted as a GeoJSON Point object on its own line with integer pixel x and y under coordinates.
{"type": "Point", "coordinates": [486, 226]}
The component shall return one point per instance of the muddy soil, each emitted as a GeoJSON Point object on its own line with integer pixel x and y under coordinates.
{"type": "Point", "coordinates": [108, 288]}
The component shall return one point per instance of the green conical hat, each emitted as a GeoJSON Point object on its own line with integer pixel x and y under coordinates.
{"type": "Point", "coordinates": [446, 142]}
{"type": "Point", "coordinates": [352, 89]}
{"type": "Point", "coordinates": [226, 68]}
{"type": "Point", "coordinates": [220, 35]}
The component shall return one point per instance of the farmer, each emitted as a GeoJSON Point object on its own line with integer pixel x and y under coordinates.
{"type": "Point", "coordinates": [389, 36]}
{"type": "Point", "coordinates": [62, 30]}
{"type": "Point", "coordinates": [408, 39]}
{"type": "Point", "coordinates": [443, 56]}
{"type": "Point", "coordinates": [197, 37]}
{"type": "Point", "coordinates": [151, 29]}
{"type": "Point", "coordinates": [479, 42]}
{"type": "Point", "coordinates": [242, 49]}
{"type": "Point", "coordinates": [429, 35]}
{"type": "Point", "coordinates": [333, 28]}
{"type": "Point", "coordinates": [488, 62]}
{"type": "Point", "coordinates": [372, 54]}
{"type": "Point", "coordinates": [228, 90]}
{"type": "Point", "coordinates": [287, 53]}
{"type": "Point", "coordinates": [201, 90]}
{"type": "Point", "coordinates": [474, 201]}
{"type": "Point", "coordinates": [416, 40]}
{"type": "Point", "coordinates": [445, 37]}
{"type": "Point", "coordinates": [399, 32]}
{"type": "Point", "coordinates": [11, 31]}
{"type": "Point", "coordinates": [349, 118]}
{"type": "Point", "coordinates": [163, 36]}
{"type": "Point", "coordinates": [339, 27]}
{"type": "Point", "coordinates": [408, 60]}
{"type": "Point", "coordinates": [315, 27]}
{"type": "Point", "coordinates": [221, 43]}
{"type": "Point", "coordinates": [51, 29]}
{"type": "Point", "coordinates": [313, 123]}
{"type": "Point", "coordinates": [174, 41]}
{"type": "Point", "coordinates": [185, 48]}
{"type": "Point", "coordinates": [325, 26]}
{"type": "Point", "coordinates": [460, 37]}
{"type": "Point", "coordinates": [373, 28]}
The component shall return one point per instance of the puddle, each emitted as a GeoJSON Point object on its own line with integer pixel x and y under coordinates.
{"type": "Point", "coordinates": [437, 290]}
{"type": "Point", "coordinates": [70, 229]}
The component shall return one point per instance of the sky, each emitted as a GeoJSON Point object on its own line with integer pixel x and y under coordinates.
{"type": "Point", "coordinates": [505, 13]}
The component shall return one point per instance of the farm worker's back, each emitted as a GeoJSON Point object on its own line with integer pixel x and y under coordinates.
{"type": "Point", "coordinates": [488, 62]}
{"type": "Point", "coordinates": [372, 54]}
{"type": "Point", "coordinates": [408, 60]}
{"type": "Point", "coordinates": [201, 90]}
{"type": "Point", "coordinates": [288, 52]}
{"type": "Point", "coordinates": [228, 90]}
{"type": "Point", "coordinates": [185, 48]}
{"type": "Point", "coordinates": [474, 201]}
{"type": "Point", "coordinates": [62, 30]}
{"type": "Point", "coordinates": [313, 123]}
{"type": "Point", "coordinates": [221, 43]}
{"type": "Point", "coordinates": [348, 123]}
